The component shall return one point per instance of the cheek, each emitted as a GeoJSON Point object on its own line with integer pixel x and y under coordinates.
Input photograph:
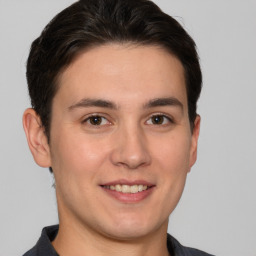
{"type": "Point", "coordinates": [172, 161]}
{"type": "Point", "coordinates": [173, 153]}
{"type": "Point", "coordinates": [76, 164]}
{"type": "Point", "coordinates": [76, 154]}
{"type": "Point", "coordinates": [172, 157]}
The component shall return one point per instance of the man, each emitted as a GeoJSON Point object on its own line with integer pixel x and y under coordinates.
{"type": "Point", "coordinates": [113, 86]}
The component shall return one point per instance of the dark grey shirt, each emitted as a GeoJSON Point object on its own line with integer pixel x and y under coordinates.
{"type": "Point", "coordinates": [44, 247]}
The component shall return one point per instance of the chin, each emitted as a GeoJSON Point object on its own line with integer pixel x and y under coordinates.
{"type": "Point", "coordinates": [130, 229]}
{"type": "Point", "coordinates": [128, 234]}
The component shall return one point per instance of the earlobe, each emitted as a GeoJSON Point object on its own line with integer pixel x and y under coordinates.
{"type": "Point", "coordinates": [36, 138]}
{"type": "Point", "coordinates": [194, 141]}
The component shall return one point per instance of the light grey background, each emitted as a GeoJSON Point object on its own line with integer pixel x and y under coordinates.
{"type": "Point", "coordinates": [217, 212]}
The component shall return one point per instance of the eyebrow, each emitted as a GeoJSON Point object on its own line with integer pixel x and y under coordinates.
{"type": "Point", "coordinates": [158, 102]}
{"type": "Point", "coordinates": [86, 102]}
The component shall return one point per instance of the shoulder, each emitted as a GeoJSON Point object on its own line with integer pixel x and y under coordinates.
{"type": "Point", "coordinates": [43, 246]}
{"type": "Point", "coordinates": [196, 252]}
{"type": "Point", "coordinates": [31, 252]}
{"type": "Point", "coordinates": [179, 250]}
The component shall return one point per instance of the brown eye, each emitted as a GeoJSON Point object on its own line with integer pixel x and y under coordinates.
{"type": "Point", "coordinates": [157, 119]}
{"type": "Point", "coordinates": [95, 120]}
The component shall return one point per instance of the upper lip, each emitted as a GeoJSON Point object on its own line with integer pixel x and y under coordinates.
{"type": "Point", "coordinates": [128, 182]}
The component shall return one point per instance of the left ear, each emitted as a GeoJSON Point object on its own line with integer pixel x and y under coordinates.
{"type": "Point", "coordinates": [194, 141]}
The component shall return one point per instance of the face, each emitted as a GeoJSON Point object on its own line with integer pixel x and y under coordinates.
{"type": "Point", "coordinates": [121, 144]}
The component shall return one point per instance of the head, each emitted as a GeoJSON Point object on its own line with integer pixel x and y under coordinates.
{"type": "Point", "coordinates": [114, 86]}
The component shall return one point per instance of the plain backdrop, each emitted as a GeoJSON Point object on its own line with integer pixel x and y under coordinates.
{"type": "Point", "coordinates": [217, 212]}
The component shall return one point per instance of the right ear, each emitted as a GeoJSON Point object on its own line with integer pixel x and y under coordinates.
{"type": "Point", "coordinates": [36, 137]}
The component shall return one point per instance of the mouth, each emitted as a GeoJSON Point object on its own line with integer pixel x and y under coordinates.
{"type": "Point", "coordinates": [127, 189]}
{"type": "Point", "coordinates": [128, 192]}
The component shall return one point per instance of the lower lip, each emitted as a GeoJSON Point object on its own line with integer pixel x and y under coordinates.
{"type": "Point", "coordinates": [129, 197]}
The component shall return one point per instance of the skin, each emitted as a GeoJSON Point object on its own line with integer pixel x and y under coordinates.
{"type": "Point", "coordinates": [126, 144]}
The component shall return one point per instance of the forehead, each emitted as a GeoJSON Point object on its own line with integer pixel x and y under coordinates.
{"type": "Point", "coordinates": [121, 72]}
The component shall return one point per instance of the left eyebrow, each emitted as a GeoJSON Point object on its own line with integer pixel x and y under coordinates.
{"type": "Point", "coordinates": [158, 102]}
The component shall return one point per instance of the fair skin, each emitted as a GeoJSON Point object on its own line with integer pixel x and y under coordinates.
{"type": "Point", "coordinates": [120, 117]}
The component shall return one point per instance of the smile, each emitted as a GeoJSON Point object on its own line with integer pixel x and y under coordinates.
{"type": "Point", "coordinates": [127, 189]}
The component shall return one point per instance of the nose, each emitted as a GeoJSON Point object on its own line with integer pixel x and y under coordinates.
{"type": "Point", "coordinates": [131, 149]}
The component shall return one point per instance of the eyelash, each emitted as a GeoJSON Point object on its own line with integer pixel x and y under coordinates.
{"type": "Point", "coordinates": [164, 118]}
{"type": "Point", "coordinates": [167, 118]}
{"type": "Point", "coordinates": [89, 118]}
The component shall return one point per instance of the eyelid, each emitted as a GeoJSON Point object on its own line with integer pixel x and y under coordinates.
{"type": "Point", "coordinates": [104, 116]}
{"type": "Point", "coordinates": [88, 116]}
{"type": "Point", "coordinates": [168, 117]}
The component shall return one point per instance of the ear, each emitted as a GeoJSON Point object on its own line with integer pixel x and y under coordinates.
{"type": "Point", "coordinates": [37, 140]}
{"type": "Point", "coordinates": [194, 141]}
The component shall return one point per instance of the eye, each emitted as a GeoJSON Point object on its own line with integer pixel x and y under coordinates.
{"type": "Point", "coordinates": [96, 120]}
{"type": "Point", "coordinates": [159, 120]}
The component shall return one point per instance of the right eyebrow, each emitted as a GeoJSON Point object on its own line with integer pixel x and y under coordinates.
{"type": "Point", "coordinates": [87, 102]}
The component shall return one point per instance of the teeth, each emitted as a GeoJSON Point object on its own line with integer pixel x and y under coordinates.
{"type": "Point", "coordinates": [117, 188]}
{"type": "Point", "coordinates": [127, 189]}
{"type": "Point", "coordinates": [134, 189]}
